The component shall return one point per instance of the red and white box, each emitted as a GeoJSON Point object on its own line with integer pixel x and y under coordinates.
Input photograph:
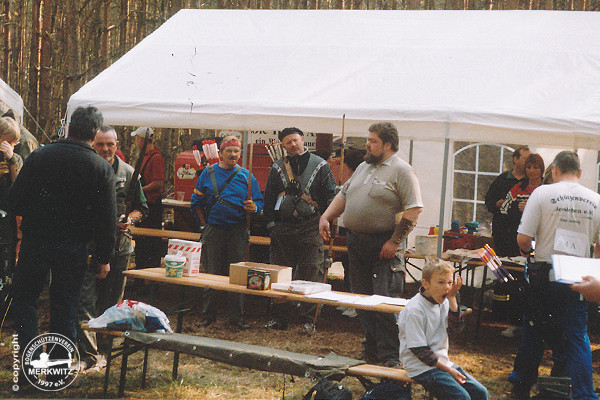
{"type": "Point", "coordinates": [191, 251]}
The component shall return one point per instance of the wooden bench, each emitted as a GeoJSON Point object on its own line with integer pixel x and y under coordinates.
{"type": "Point", "coordinates": [238, 354]}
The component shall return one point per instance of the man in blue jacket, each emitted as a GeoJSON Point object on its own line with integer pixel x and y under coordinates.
{"type": "Point", "coordinates": [220, 205]}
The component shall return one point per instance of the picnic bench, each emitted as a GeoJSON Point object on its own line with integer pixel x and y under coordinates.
{"type": "Point", "coordinates": [240, 355]}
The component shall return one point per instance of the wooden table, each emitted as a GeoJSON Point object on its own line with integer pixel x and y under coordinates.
{"type": "Point", "coordinates": [194, 236]}
{"type": "Point", "coordinates": [218, 282]}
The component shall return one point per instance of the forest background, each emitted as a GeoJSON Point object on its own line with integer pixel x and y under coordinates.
{"type": "Point", "coordinates": [50, 48]}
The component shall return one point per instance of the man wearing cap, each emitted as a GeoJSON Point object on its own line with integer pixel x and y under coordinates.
{"type": "Point", "coordinates": [65, 193]}
{"type": "Point", "coordinates": [148, 250]}
{"type": "Point", "coordinates": [381, 203]}
{"type": "Point", "coordinates": [220, 204]}
{"type": "Point", "coordinates": [98, 295]}
{"type": "Point", "coordinates": [299, 188]}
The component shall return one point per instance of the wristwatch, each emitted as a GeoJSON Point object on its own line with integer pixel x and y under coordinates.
{"type": "Point", "coordinates": [527, 253]}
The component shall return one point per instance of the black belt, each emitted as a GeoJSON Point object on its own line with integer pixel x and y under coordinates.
{"type": "Point", "coordinates": [363, 235]}
{"type": "Point", "coordinates": [295, 219]}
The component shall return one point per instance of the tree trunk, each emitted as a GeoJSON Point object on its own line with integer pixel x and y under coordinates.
{"type": "Point", "coordinates": [44, 93]}
{"type": "Point", "coordinates": [140, 21]}
{"type": "Point", "coordinates": [34, 56]}
{"type": "Point", "coordinates": [20, 47]}
{"type": "Point", "coordinates": [124, 18]}
{"type": "Point", "coordinates": [73, 55]}
{"type": "Point", "coordinates": [105, 25]}
{"type": "Point", "coordinates": [5, 69]}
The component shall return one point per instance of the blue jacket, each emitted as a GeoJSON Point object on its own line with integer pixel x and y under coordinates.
{"type": "Point", "coordinates": [222, 215]}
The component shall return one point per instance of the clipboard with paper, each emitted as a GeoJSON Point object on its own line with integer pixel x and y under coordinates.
{"type": "Point", "coordinates": [571, 269]}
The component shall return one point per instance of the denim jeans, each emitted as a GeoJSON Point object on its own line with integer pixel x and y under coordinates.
{"type": "Point", "coordinates": [443, 386]}
{"type": "Point", "coordinates": [570, 331]}
{"type": "Point", "coordinates": [68, 263]}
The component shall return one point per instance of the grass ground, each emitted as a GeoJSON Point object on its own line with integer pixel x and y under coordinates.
{"type": "Point", "coordinates": [489, 358]}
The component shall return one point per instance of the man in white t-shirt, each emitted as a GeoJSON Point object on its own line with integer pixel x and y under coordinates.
{"type": "Point", "coordinates": [564, 218]}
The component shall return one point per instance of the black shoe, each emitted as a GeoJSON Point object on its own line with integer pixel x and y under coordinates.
{"type": "Point", "coordinates": [276, 324]}
{"type": "Point", "coordinates": [368, 357]}
{"type": "Point", "coordinates": [518, 392]}
{"type": "Point", "coordinates": [393, 363]}
{"type": "Point", "coordinates": [238, 325]}
{"type": "Point", "coordinates": [206, 322]}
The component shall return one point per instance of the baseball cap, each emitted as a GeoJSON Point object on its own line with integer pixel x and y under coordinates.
{"type": "Point", "coordinates": [141, 132]}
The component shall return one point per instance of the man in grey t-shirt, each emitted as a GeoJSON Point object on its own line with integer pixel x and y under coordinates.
{"type": "Point", "coordinates": [383, 190]}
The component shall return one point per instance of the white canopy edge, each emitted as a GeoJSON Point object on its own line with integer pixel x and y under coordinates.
{"type": "Point", "coordinates": [494, 76]}
{"type": "Point", "coordinates": [11, 99]}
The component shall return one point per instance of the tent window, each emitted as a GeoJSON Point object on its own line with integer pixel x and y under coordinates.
{"type": "Point", "coordinates": [475, 166]}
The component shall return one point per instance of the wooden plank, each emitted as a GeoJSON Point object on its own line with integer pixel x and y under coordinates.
{"type": "Point", "coordinates": [218, 282]}
{"type": "Point", "coordinates": [176, 203]}
{"type": "Point", "coordinates": [163, 233]}
{"type": "Point", "coordinates": [102, 330]}
{"type": "Point", "coordinates": [194, 236]}
{"type": "Point", "coordinates": [378, 371]}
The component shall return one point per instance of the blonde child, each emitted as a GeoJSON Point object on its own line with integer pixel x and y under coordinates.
{"type": "Point", "coordinates": [423, 326]}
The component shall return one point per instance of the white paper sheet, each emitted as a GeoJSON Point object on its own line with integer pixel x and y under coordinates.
{"type": "Point", "coordinates": [570, 269]}
{"type": "Point", "coordinates": [392, 300]}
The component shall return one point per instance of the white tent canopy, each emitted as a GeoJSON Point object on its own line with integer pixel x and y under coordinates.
{"type": "Point", "coordinates": [11, 99]}
{"type": "Point", "coordinates": [511, 76]}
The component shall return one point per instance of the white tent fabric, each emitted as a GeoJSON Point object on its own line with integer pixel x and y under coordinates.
{"type": "Point", "coordinates": [12, 99]}
{"type": "Point", "coordinates": [512, 76]}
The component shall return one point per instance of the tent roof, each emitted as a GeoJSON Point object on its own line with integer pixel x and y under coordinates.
{"type": "Point", "coordinates": [463, 75]}
{"type": "Point", "coordinates": [12, 99]}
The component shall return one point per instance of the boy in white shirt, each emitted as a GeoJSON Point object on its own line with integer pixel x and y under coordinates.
{"type": "Point", "coordinates": [423, 326]}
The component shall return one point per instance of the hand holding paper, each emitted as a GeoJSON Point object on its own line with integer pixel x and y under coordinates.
{"type": "Point", "coordinates": [589, 288]}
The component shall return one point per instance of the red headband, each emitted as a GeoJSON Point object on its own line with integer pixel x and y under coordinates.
{"type": "Point", "coordinates": [232, 142]}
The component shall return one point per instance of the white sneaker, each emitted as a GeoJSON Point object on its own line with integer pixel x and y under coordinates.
{"type": "Point", "coordinates": [511, 331]}
{"type": "Point", "coordinates": [350, 312]}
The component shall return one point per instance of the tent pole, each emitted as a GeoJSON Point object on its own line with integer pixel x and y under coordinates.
{"type": "Point", "coordinates": [443, 194]}
{"type": "Point", "coordinates": [410, 151]}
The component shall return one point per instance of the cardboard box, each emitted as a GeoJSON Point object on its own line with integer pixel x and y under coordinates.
{"type": "Point", "coordinates": [238, 272]}
{"type": "Point", "coordinates": [191, 251]}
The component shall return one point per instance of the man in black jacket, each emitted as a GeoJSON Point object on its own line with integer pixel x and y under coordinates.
{"type": "Point", "coordinates": [299, 188]}
{"type": "Point", "coordinates": [66, 196]}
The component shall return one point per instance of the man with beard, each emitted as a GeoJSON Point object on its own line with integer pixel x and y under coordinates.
{"type": "Point", "coordinates": [381, 203]}
{"type": "Point", "coordinates": [299, 188]}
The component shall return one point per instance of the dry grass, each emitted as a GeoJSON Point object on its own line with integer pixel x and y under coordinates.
{"type": "Point", "coordinates": [489, 359]}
